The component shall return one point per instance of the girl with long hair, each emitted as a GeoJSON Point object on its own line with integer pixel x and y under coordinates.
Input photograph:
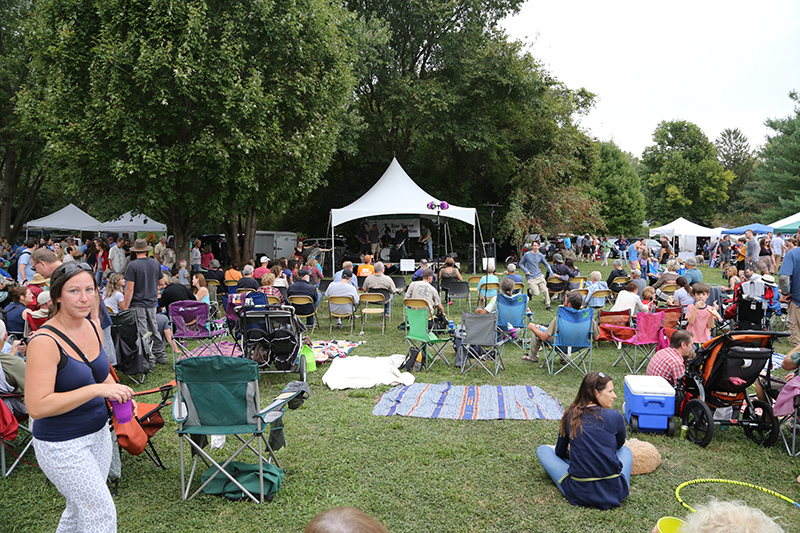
{"type": "Point", "coordinates": [590, 464]}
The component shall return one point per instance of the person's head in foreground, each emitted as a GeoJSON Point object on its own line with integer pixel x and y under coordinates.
{"type": "Point", "coordinates": [79, 298]}
{"type": "Point", "coordinates": [728, 517]}
{"type": "Point", "coordinates": [344, 520]}
{"type": "Point", "coordinates": [596, 390]}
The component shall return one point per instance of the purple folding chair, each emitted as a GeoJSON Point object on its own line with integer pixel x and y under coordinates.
{"type": "Point", "coordinates": [190, 322]}
{"type": "Point", "coordinates": [645, 339]}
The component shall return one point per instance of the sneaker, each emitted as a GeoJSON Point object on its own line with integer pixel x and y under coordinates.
{"type": "Point", "coordinates": [549, 309]}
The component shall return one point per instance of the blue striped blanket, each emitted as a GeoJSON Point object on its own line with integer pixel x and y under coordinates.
{"type": "Point", "coordinates": [485, 402]}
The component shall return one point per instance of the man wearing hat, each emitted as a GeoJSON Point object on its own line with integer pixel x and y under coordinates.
{"type": "Point", "coordinates": [343, 288]}
{"type": "Point", "coordinates": [141, 295]}
{"type": "Point", "coordinates": [304, 287]}
{"type": "Point", "coordinates": [263, 269]}
{"type": "Point", "coordinates": [37, 286]}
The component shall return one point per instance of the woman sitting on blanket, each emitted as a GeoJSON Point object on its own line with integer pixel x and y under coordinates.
{"type": "Point", "coordinates": [590, 464]}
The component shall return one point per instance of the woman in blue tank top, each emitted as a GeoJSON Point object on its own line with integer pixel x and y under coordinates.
{"type": "Point", "coordinates": [590, 464]}
{"type": "Point", "coordinates": [67, 382]}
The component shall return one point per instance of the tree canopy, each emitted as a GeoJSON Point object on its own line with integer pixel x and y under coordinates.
{"type": "Point", "coordinates": [778, 174]}
{"type": "Point", "coordinates": [620, 189]}
{"type": "Point", "coordinates": [193, 110]}
{"type": "Point", "coordinates": [682, 175]}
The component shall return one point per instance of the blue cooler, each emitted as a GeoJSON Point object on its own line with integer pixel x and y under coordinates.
{"type": "Point", "coordinates": [649, 404]}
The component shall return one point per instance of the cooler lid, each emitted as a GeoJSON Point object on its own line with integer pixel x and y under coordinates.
{"type": "Point", "coordinates": [654, 385]}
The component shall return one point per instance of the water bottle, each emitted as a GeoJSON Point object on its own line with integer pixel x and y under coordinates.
{"type": "Point", "coordinates": [511, 330]}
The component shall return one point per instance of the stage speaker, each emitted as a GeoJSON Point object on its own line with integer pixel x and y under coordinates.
{"type": "Point", "coordinates": [421, 254]}
{"type": "Point", "coordinates": [395, 256]}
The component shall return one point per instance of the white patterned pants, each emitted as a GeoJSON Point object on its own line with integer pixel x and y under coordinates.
{"type": "Point", "coordinates": [78, 468]}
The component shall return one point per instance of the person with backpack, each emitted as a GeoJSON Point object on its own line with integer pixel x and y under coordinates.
{"type": "Point", "coordinates": [24, 267]}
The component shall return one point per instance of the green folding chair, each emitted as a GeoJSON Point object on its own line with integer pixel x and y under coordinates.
{"type": "Point", "coordinates": [420, 338]}
{"type": "Point", "coordinates": [218, 395]}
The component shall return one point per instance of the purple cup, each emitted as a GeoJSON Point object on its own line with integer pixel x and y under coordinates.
{"type": "Point", "coordinates": [123, 411]}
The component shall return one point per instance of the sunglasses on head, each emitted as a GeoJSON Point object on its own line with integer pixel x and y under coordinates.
{"type": "Point", "coordinates": [70, 267]}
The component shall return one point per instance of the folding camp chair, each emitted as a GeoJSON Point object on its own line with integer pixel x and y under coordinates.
{"type": "Point", "coordinates": [231, 285]}
{"type": "Point", "coordinates": [787, 408]}
{"type": "Point", "coordinates": [610, 319]}
{"type": "Point", "coordinates": [15, 437]}
{"type": "Point", "coordinates": [372, 303]}
{"type": "Point", "coordinates": [419, 338]}
{"type": "Point", "coordinates": [644, 338]}
{"type": "Point", "coordinates": [190, 323]}
{"type": "Point", "coordinates": [129, 345]}
{"type": "Point", "coordinates": [513, 310]}
{"type": "Point", "coordinates": [214, 293]}
{"type": "Point", "coordinates": [482, 342]}
{"type": "Point", "coordinates": [459, 290]}
{"type": "Point", "coordinates": [342, 300]}
{"type": "Point", "coordinates": [219, 396]}
{"type": "Point", "coordinates": [572, 341]}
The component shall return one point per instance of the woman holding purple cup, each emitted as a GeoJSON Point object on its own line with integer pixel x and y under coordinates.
{"type": "Point", "coordinates": [67, 382]}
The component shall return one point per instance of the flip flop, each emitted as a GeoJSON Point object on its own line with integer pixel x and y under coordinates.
{"type": "Point", "coordinates": [532, 360]}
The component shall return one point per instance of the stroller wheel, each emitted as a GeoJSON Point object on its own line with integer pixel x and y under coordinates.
{"type": "Point", "coordinates": [697, 416]}
{"type": "Point", "coordinates": [766, 432]}
{"type": "Point", "coordinates": [303, 371]}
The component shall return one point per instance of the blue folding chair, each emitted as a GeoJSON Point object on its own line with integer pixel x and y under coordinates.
{"type": "Point", "coordinates": [513, 310]}
{"type": "Point", "coordinates": [572, 342]}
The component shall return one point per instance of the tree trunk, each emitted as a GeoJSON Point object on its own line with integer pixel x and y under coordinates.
{"type": "Point", "coordinates": [181, 231]}
{"type": "Point", "coordinates": [249, 244]}
{"type": "Point", "coordinates": [7, 199]}
{"type": "Point", "coordinates": [232, 237]}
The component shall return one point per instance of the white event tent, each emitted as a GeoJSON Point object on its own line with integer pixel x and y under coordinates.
{"type": "Point", "coordinates": [395, 193]}
{"type": "Point", "coordinates": [687, 233]}
{"type": "Point", "coordinates": [70, 217]}
{"type": "Point", "coordinates": [130, 223]}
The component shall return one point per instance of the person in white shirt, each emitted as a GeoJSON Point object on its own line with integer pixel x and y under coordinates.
{"type": "Point", "coordinates": [628, 300]}
{"type": "Point", "coordinates": [778, 246]}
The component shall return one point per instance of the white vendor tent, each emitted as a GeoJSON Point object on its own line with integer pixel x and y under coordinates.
{"type": "Point", "coordinates": [788, 221]}
{"type": "Point", "coordinates": [130, 223]}
{"type": "Point", "coordinates": [68, 218]}
{"type": "Point", "coordinates": [396, 193]}
{"type": "Point", "coordinates": [687, 233]}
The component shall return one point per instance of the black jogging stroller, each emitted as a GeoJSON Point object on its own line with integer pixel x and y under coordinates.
{"type": "Point", "coordinates": [272, 336]}
{"type": "Point", "coordinates": [718, 377]}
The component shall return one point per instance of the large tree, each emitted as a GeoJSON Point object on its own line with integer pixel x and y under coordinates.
{"type": "Point", "coordinates": [778, 175]}
{"type": "Point", "coordinates": [620, 189]}
{"type": "Point", "coordinates": [682, 176]}
{"type": "Point", "coordinates": [735, 154]}
{"type": "Point", "coordinates": [193, 110]}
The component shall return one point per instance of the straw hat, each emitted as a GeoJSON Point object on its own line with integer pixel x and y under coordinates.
{"type": "Point", "coordinates": [38, 279]}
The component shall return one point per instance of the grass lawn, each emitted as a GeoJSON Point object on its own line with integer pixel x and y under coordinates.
{"type": "Point", "coordinates": [421, 474]}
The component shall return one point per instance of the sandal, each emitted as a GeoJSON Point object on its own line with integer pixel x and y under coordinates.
{"type": "Point", "coordinates": [531, 359]}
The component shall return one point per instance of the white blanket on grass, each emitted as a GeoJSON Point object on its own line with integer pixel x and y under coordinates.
{"type": "Point", "coordinates": [356, 372]}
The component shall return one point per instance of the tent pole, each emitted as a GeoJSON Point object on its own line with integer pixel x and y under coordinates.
{"type": "Point", "coordinates": [333, 246]}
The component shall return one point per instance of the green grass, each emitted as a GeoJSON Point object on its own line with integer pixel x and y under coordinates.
{"type": "Point", "coordinates": [420, 474]}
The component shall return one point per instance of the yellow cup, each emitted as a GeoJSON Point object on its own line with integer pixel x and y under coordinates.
{"type": "Point", "coordinates": [669, 524]}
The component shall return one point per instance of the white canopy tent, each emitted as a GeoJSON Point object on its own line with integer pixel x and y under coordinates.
{"type": "Point", "coordinates": [130, 223]}
{"type": "Point", "coordinates": [395, 193]}
{"type": "Point", "coordinates": [687, 233]}
{"type": "Point", "coordinates": [786, 221]}
{"type": "Point", "coordinates": [68, 218]}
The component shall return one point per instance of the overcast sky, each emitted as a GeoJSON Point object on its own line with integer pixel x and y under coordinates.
{"type": "Point", "coordinates": [718, 64]}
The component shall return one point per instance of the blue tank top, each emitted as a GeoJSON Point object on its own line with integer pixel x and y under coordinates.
{"type": "Point", "coordinates": [84, 419]}
{"type": "Point", "coordinates": [16, 324]}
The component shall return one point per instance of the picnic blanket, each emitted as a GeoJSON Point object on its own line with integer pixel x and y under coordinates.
{"type": "Point", "coordinates": [485, 402]}
{"type": "Point", "coordinates": [326, 350]}
{"type": "Point", "coordinates": [358, 372]}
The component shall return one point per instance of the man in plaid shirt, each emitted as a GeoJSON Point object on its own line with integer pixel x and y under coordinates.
{"type": "Point", "coordinates": [670, 363]}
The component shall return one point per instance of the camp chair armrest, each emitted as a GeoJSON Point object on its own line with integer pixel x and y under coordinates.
{"type": "Point", "coordinates": [275, 410]}
{"type": "Point", "coordinates": [614, 337]}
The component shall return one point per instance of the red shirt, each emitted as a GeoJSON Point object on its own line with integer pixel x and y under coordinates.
{"type": "Point", "coordinates": [668, 364]}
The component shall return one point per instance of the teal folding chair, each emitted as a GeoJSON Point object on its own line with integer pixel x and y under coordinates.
{"type": "Point", "coordinates": [218, 395]}
{"type": "Point", "coordinates": [420, 338]}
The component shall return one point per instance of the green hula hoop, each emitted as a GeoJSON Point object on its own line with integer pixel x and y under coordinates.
{"type": "Point", "coordinates": [742, 483]}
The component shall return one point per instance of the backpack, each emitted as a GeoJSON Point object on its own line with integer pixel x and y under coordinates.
{"type": "Point", "coordinates": [13, 267]}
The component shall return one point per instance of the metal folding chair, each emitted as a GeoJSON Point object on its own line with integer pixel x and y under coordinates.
{"type": "Point", "coordinates": [342, 300]}
{"type": "Point", "coordinates": [372, 303]}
